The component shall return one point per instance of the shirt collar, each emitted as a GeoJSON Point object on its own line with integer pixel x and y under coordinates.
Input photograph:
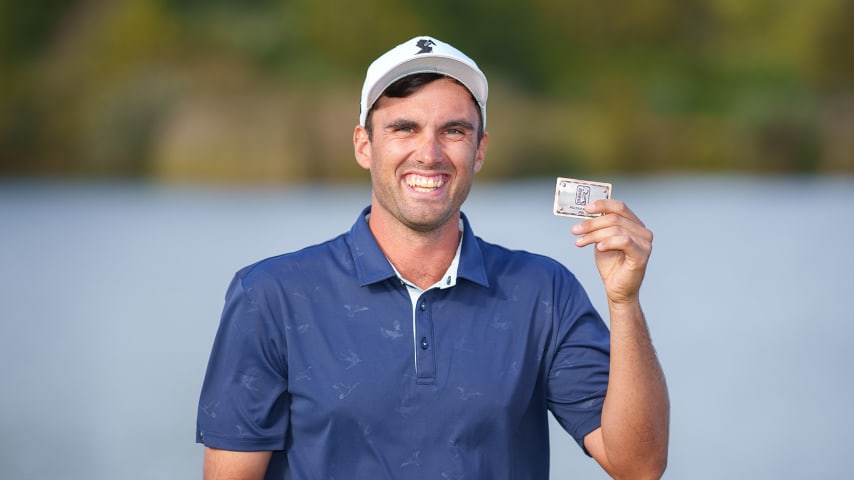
{"type": "Point", "coordinates": [372, 265]}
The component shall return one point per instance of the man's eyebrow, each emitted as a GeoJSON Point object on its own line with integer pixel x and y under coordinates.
{"type": "Point", "coordinates": [465, 125]}
{"type": "Point", "coordinates": [401, 123]}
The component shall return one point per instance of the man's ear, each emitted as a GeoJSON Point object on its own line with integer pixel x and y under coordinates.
{"type": "Point", "coordinates": [362, 147]}
{"type": "Point", "coordinates": [481, 152]}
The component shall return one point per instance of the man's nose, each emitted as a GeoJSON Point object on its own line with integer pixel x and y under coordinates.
{"type": "Point", "coordinates": [430, 150]}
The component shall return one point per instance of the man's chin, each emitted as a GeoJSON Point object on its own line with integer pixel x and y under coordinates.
{"type": "Point", "coordinates": [427, 223]}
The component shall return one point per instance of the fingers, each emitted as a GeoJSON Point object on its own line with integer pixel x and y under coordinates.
{"type": "Point", "coordinates": [618, 228]}
{"type": "Point", "coordinates": [605, 207]}
{"type": "Point", "coordinates": [623, 246]}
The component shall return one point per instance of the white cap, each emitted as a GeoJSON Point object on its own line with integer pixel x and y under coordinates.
{"type": "Point", "coordinates": [422, 55]}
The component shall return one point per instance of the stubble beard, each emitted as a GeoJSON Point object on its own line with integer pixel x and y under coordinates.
{"type": "Point", "coordinates": [421, 219]}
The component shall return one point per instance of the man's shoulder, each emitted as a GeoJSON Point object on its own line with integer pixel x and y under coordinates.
{"type": "Point", "coordinates": [522, 266]}
{"type": "Point", "coordinates": [496, 255]}
{"type": "Point", "coordinates": [305, 261]}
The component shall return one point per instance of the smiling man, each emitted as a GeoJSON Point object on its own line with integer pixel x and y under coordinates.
{"type": "Point", "coordinates": [408, 347]}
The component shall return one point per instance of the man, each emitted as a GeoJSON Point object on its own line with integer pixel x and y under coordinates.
{"type": "Point", "coordinates": [408, 347]}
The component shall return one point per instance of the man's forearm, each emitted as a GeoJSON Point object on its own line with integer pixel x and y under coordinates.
{"type": "Point", "coordinates": [636, 414]}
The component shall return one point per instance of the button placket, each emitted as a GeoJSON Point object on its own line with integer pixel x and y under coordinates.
{"type": "Point", "coordinates": [424, 335]}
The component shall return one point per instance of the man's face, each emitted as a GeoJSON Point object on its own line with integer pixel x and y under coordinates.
{"type": "Point", "coordinates": [423, 155]}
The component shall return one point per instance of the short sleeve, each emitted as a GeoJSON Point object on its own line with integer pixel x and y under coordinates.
{"type": "Point", "coordinates": [244, 404]}
{"type": "Point", "coordinates": [578, 374]}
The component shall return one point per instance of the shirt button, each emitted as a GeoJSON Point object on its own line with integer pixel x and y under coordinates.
{"type": "Point", "coordinates": [423, 307]}
{"type": "Point", "coordinates": [424, 344]}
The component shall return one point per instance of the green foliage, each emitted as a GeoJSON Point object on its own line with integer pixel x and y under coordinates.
{"type": "Point", "coordinates": [129, 87]}
{"type": "Point", "coordinates": [27, 27]}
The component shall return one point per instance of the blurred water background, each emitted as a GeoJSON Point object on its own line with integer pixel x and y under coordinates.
{"type": "Point", "coordinates": [110, 294]}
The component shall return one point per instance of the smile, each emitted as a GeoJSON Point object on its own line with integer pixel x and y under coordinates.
{"type": "Point", "coordinates": [421, 183]}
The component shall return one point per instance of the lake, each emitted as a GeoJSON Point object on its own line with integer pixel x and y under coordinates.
{"type": "Point", "coordinates": [110, 294]}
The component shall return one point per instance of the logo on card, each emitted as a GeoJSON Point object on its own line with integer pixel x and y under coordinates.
{"type": "Point", "coordinates": [582, 195]}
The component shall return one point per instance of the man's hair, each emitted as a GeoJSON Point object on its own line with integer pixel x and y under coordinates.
{"type": "Point", "coordinates": [408, 85]}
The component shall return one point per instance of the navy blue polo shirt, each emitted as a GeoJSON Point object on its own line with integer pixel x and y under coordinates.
{"type": "Point", "coordinates": [319, 358]}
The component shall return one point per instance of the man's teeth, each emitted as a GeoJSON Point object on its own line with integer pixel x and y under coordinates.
{"type": "Point", "coordinates": [420, 182]}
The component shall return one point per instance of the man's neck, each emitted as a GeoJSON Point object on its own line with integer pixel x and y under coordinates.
{"type": "Point", "coordinates": [420, 257]}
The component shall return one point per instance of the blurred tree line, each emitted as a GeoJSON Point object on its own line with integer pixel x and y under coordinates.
{"type": "Point", "coordinates": [267, 90]}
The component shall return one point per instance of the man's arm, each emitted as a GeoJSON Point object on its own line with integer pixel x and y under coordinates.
{"type": "Point", "coordinates": [633, 439]}
{"type": "Point", "coordinates": [229, 465]}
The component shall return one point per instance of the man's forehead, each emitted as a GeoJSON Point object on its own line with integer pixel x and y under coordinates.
{"type": "Point", "coordinates": [444, 92]}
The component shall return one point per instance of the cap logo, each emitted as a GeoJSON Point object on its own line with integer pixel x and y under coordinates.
{"type": "Point", "coordinates": [426, 45]}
